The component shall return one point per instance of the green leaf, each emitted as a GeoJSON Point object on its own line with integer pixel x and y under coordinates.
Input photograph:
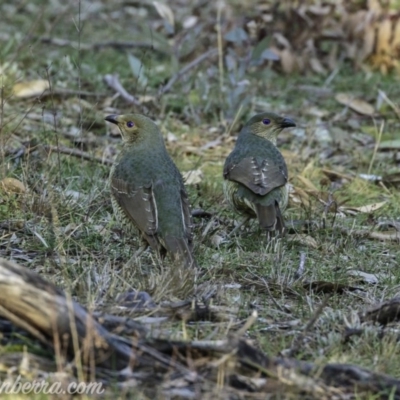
{"type": "Point", "coordinates": [138, 69]}
{"type": "Point", "coordinates": [390, 145]}
{"type": "Point", "coordinates": [237, 35]}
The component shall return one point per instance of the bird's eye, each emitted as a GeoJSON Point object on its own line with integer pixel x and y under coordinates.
{"type": "Point", "coordinates": [130, 124]}
{"type": "Point", "coordinates": [266, 121]}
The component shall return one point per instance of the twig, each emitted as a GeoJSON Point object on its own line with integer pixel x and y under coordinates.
{"type": "Point", "coordinates": [390, 102]}
{"type": "Point", "coordinates": [116, 44]}
{"type": "Point", "coordinates": [200, 213]}
{"type": "Point", "coordinates": [300, 270]}
{"type": "Point", "coordinates": [277, 305]}
{"type": "Point", "coordinates": [377, 143]}
{"type": "Point", "coordinates": [77, 153]}
{"type": "Point", "coordinates": [248, 324]}
{"type": "Point", "coordinates": [186, 69]}
{"type": "Point", "coordinates": [71, 92]}
{"type": "Point", "coordinates": [395, 236]}
{"type": "Point", "coordinates": [114, 83]}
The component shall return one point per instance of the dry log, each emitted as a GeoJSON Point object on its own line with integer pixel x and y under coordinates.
{"type": "Point", "coordinates": [40, 308]}
{"type": "Point", "coordinates": [191, 368]}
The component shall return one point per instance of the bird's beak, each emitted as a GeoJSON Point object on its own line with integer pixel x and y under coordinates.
{"type": "Point", "coordinates": [286, 123]}
{"type": "Point", "coordinates": [112, 118]}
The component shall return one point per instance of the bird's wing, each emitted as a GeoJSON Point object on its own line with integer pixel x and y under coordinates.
{"type": "Point", "coordinates": [138, 204]}
{"type": "Point", "coordinates": [260, 178]}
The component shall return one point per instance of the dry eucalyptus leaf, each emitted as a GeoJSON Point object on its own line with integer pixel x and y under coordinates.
{"type": "Point", "coordinates": [304, 239]}
{"type": "Point", "coordinates": [193, 177]}
{"type": "Point", "coordinates": [368, 208]}
{"type": "Point", "coordinates": [369, 278]}
{"type": "Point", "coordinates": [306, 182]}
{"type": "Point", "coordinates": [370, 177]}
{"type": "Point", "coordinates": [383, 39]}
{"type": "Point", "coordinates": [299, 196]}
{"type": "Point", "coordinates": [358, 105]}
{"type": "Point", "coordinates": [12, 185]}
{"type": "Point", "coordinates": [27, 89]}
{"type": "Point", "coordinates": [288, 60]}
{"type": "Point", "coordinates": [165, 12]}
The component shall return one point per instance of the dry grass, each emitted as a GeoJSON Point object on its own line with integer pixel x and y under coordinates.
{"type": "Point", "coordinates": [309, 290]}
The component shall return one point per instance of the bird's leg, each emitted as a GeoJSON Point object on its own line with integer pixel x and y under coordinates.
{"type": "Point", "coordinates": [245, 220]}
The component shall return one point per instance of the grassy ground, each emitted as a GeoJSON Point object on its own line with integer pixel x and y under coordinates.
{"type": "Point", "coordinates": [62, 225]}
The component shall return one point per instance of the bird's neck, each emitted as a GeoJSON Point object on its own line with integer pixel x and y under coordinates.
{"type": "Point", "coordinates": [145, 145]}
{"type": "Point", "coordinates": [271, 135]}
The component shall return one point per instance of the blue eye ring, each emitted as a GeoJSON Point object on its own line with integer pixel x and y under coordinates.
{"type": "Point", "coordinates": [266, 121]}
{"type": "Point", "coordinates": [130, 124]}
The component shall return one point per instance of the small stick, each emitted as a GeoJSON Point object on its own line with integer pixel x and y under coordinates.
{"type": "Point", "coordinates": [114, 83]}
{"type": "Point", "coordinates": [300, 270]}
{"type": "Point", "coordinates": [186, 69]}
{"type": "Point", "coordinates": [77, 153]}
{"type": "Point", "coordinates": [98, 46]}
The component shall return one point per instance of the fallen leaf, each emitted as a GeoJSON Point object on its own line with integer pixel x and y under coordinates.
{"type": "Point", "coordinates": [165, 12]}
{"type": "Point", "coordinates": [12, 185]}
{"type": "Point", "coordinates": [137, 68]}
{"type": "Point", "coordinates": [385, 236]}
{"type": "Point", "coordinates": [190, 21]}
{"type": "Point", "coordinates": [369, 278]}
{"type": "Point", "coordinates": [358, 105]}
{"type": "Point", "coordinates": [307, 183]}
{"type": "Point", "coordinates": [288, 60]}
{"type": "Point", "coordinates": [390, 224]}
{"type": "Point", "coordinates": [366, 209]}
{"type": "Point", "coordinates": [193, 177]}
{"type": "Point", "coordinates": [237, 35]}
{"type": "Point", "coordinates": [371, 178]}
{"type": "Point", "coordinates": [305, 240]}
{"type": "Point", "coordinates": [30, 88]}
{"type": "Point", "coordinates": [212, 144]}
{"type": "Point", "coordinates": [299, 196]}
{"type": "Point", "coordinates": [389, 145]}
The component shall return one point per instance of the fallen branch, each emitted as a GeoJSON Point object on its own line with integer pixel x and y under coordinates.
{"type": "Point", "coordinates": [46, 313]}
{"type": "Point", "coordinates": [40, 308]}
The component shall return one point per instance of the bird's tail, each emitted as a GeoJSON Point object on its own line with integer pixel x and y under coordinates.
{"type": "Point", "coordinates": [180, 251]}
{"type": "Point", "coordinates": [270, 217]}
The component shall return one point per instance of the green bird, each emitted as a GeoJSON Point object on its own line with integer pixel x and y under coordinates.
{"type": "Point", "coordinates": [148, 192]}
{"type": "Point", "coordinates": [255, 172]}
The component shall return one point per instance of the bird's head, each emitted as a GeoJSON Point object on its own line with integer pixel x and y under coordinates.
{"type": "Point", "coordinates": [268, 125]}
{"type": "Point", "coordinates": [134, 127]}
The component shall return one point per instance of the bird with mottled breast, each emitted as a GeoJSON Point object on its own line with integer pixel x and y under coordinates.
{"type": "Point", "coordinates": [255, 172]}
{"type": "Point", "coordinates": [147, 189]}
